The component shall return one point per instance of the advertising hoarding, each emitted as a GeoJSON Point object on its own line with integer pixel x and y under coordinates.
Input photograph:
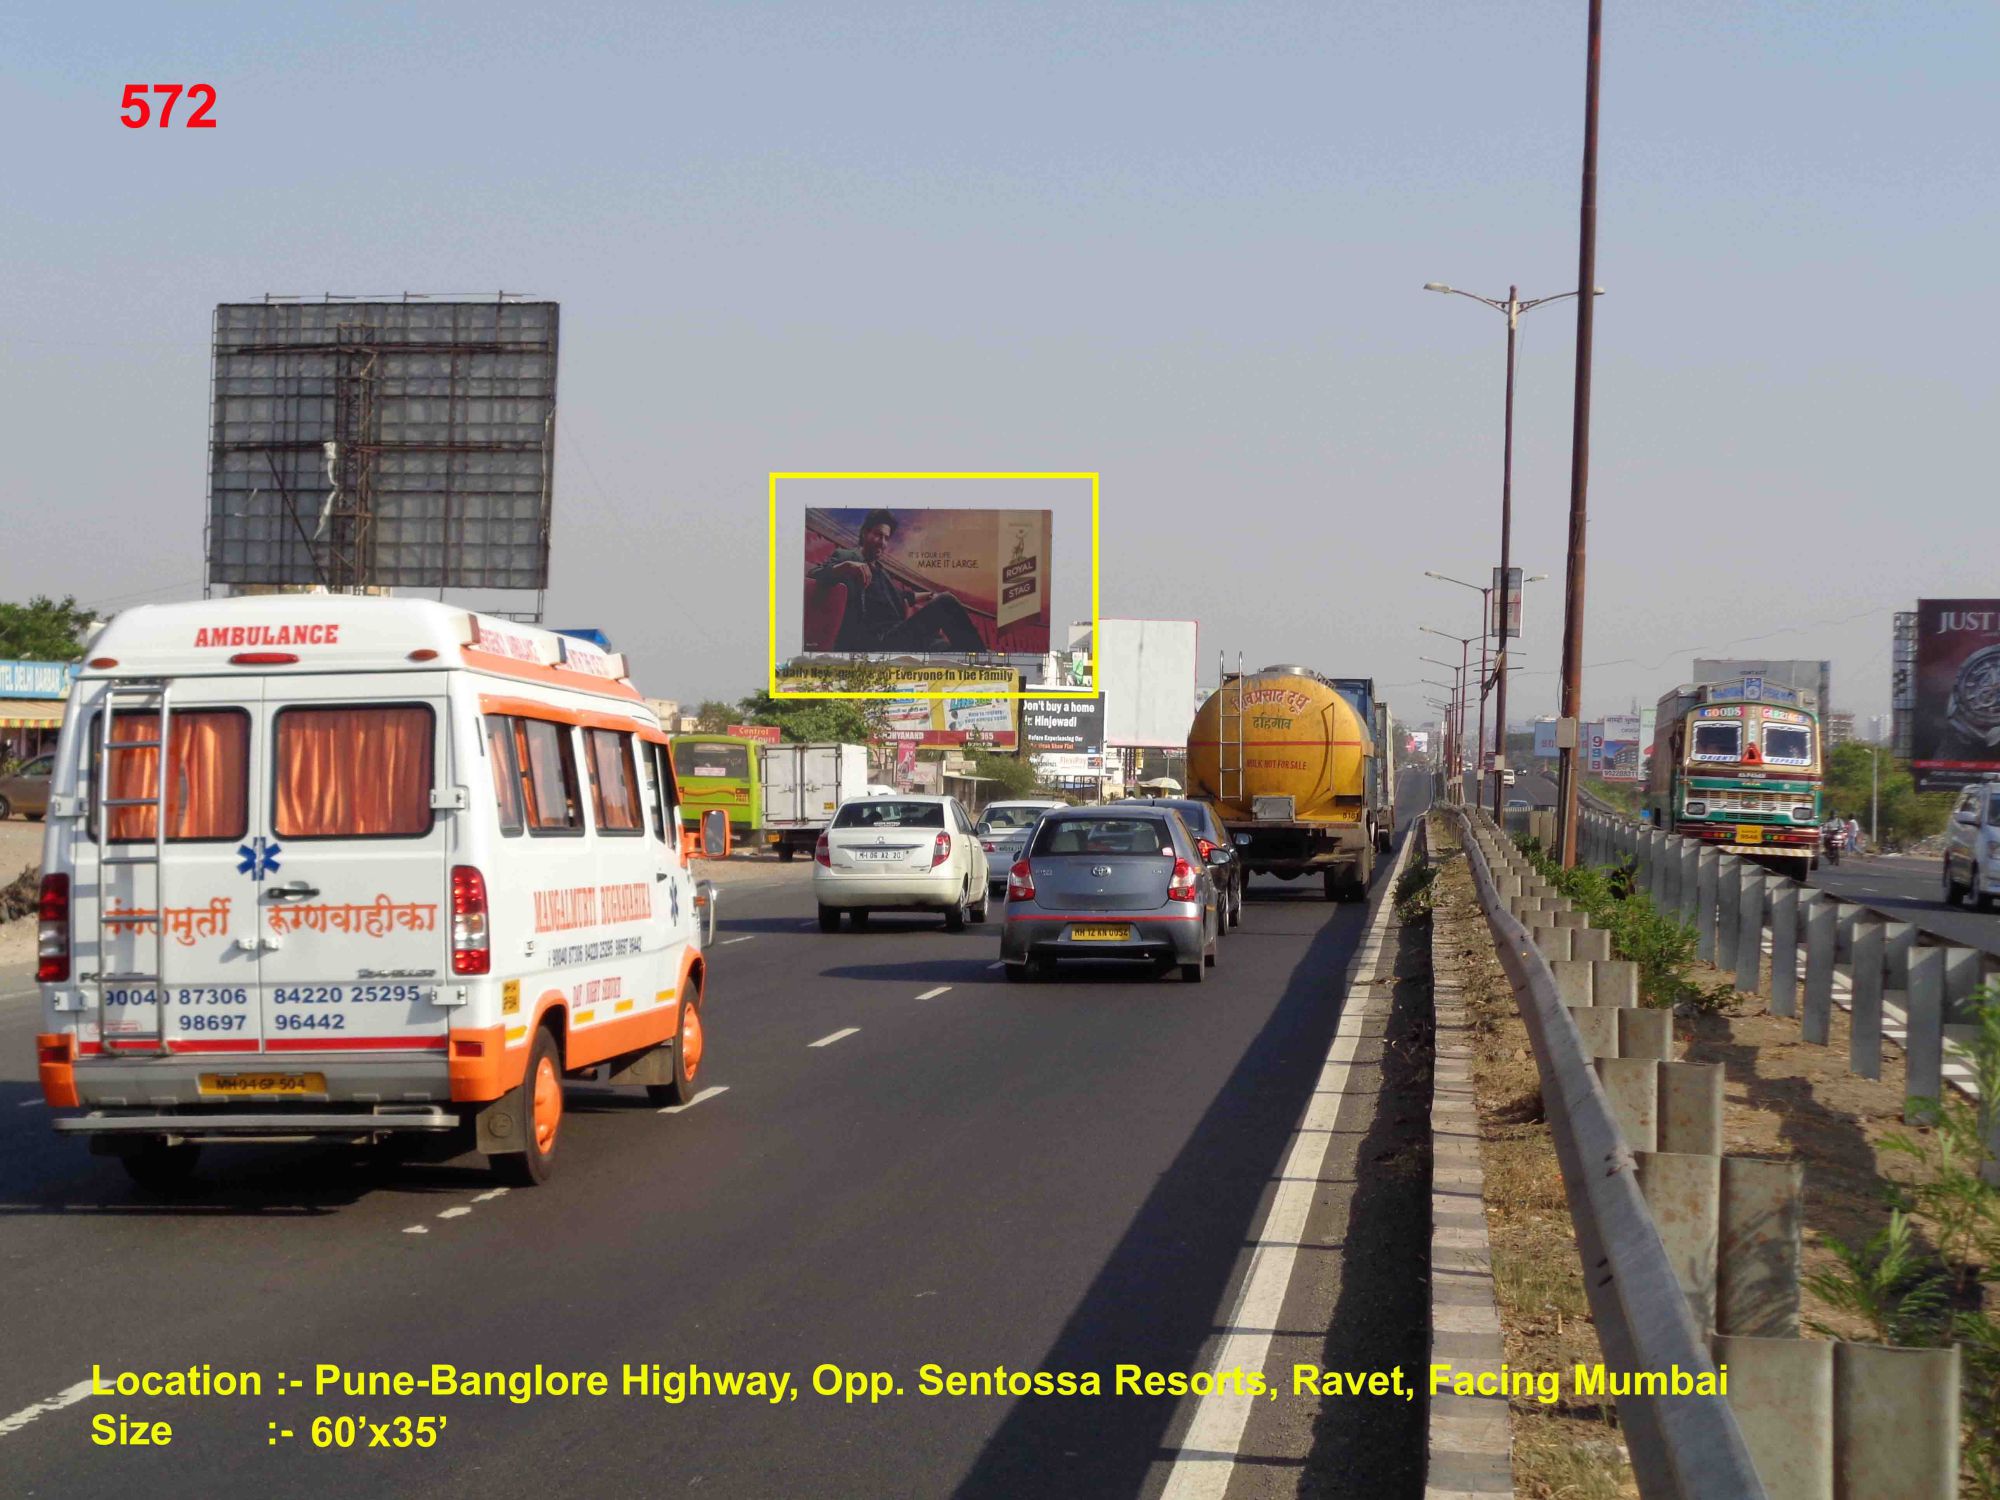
{"type": "Point", "coordinates": [769, 734]}
{"type": "Point", "coordinates": [921, 580]}
{"type": "Point", "coordinates": [1420, 742]}
{"type": "Point", "coordinates": [1955, 714]}
{"type": "Point", "coordinates": [1146, 669]}
{"type": "Point", "coordinates": [1062, 726]}
{"type": "Point", "coordinates": [1545, 739]}
{"type": "Point", "coordinates": [987, 722]}
{"type": "Point", "coordinates": [1508, 623]}
{"type": "Point", "coordinates": [382, 444]}
{"type": "Point", "coordinates": [1618, 753]}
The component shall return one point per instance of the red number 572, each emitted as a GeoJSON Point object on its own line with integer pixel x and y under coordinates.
{"type": "Point", "coordinates": [135, 98]}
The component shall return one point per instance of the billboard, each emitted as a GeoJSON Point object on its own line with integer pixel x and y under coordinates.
{"type": "Point", "coordinates": [1592, 741]}
{"type": "Point", "coordinates": [1420, 742]}
{"type": "Point", "coordinates": [986, 722]}
{"type": "Point", "coordinates": [1545, 739]}
{"type": "Point", "coordinates": [1146, 669]}
{"type": "Point", "coordinates": [382, 444]}
{"type": "Point", "coordinates": [1955, 717]}
{"type": "Point", "coordinates": [769, 734]}
{"type": "Point", "coordinates": [1062, 726]}
{"type": "Point", "coordinates": [1508, 624]}
{"type": "Point", "coordinates": [914, 580]}
{"type": "Point", "coordinates": [37, 679]}
{"type": "Point", "coordinates": [1617, 755]}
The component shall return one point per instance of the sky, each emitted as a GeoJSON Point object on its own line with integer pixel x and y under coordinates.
{"type": "Point", "coordinates": [1182, 246]}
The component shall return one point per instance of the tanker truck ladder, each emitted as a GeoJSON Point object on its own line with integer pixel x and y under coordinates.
{"type": "Point", "coordinates": [1229, 733]}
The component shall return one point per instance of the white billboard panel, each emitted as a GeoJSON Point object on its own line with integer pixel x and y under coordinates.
{"type": "Point", "coordinates": [1146, 670]}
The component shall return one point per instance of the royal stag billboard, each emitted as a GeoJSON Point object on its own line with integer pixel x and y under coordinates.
{"type": "Point", "coordinates": [921, 581]}
{"type": "Point", "coordinates": [1955, 722]}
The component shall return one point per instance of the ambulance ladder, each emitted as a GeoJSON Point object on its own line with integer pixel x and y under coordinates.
{"type": "Point", "coordinates": [132, 696]}
{"type": "Point", "coordinates": [1229, 733]}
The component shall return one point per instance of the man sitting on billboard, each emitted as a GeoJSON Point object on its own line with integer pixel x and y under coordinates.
{"type": "Point", "coordinates": [883, 615]}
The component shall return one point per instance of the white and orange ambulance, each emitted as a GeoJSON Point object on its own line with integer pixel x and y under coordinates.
{"type": "Point", "coordinates": [416, 866]}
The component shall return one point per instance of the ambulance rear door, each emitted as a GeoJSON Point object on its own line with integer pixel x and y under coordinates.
{"type": "Point", "coordinates": [352, 855]}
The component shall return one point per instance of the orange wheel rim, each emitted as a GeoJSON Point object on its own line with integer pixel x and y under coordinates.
{"type": "Point", "coordinates": [548, 1104]}
{"type": "Point", "coordinates": [690, 1041]}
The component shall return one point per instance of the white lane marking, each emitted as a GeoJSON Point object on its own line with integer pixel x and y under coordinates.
{"type": "Point", "coordinates": [809, 924]}
{"type": "Point", "coordinates": [744, 939]}
{"type": "Point", "coordinates": [416, 1229]}
{"type": "Point", "coordinates": [708, 1093]}
{"type": "Point", "coordinates": [491, 1193]}
{"type": "Point", "coordinates": [454, 1213]}
{"type": "Point", "coordinates": [28, 1103]}
{"type": "Point", "coordinates": [18, 994]}
{"type": "Point", "coordinates": [1207, 1452]}
{"type": "Point", "coordinates": [933, 994]}
{"type": "Point", "coordinates": [57, 1402]}
{"type": "Point", "coordinates": [1001, 965]}
{"type": "Point", "coordinates": [828, 1041]}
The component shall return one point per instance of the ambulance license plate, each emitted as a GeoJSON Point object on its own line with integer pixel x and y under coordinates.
{"type": "Point", "coordinates": [240, 1084]}
{"type": "Point", "coordinates": [1749, 833]}
{"type": "Point", "coordinates": [1100, 934]}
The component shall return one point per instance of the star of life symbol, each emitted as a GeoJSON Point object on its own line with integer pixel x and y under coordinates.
{"type": "Point", "coordinates": [258, 861]}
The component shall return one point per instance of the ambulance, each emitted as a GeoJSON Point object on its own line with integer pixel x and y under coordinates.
{"type": "Point", "coordinates": [345, 868]}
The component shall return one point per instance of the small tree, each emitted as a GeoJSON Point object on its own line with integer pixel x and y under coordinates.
{"type": "Point", "coordinates": [43, 629]}
{"type": "Point", "coordinates": [714, 716]}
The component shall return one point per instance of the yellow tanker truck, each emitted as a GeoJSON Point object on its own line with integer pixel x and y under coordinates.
{"type": "Point", "coordinates": [1294, 763]}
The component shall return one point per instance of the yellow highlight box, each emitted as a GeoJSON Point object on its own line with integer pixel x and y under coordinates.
{"type": "Point", "coordinates": [1051, 692]}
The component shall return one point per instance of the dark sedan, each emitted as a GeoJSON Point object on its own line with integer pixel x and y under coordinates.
{"type": "Point", "coordinates": [1224, 861]}
{"type": "Point", "coordinates": [1118, 882]}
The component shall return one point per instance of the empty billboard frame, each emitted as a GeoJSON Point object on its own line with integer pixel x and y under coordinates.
{"type": "Point", "coordinates": [382, 444]}
{"type": "Point", "coordinates": [1146, 671]}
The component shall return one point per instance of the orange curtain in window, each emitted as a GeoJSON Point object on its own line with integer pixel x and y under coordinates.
{"type": "Point", "coordinates": [353, 772]}
{"type": "Point", "coordinates": [207, 765]}
{"type": "Point", "coordinates": [506, 789]}
{"type": "Point", "coordinates": [617, 791]}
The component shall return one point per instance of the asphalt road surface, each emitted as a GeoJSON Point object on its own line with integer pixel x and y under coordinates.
{"type": "Point", "coordinates": [1910, 887]}
{"type": "Point", "coordinates": [904, 1161]}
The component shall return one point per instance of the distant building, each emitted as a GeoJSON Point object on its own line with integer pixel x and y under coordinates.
{"type": "Point", "coordinates": [1839, 729]}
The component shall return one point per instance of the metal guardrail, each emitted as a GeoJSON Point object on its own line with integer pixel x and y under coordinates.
{"type": "Point", "coordinates": [1683, 1448]}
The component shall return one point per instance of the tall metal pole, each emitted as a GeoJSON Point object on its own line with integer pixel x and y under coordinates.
{"type": "Point", "coordinates": [1506, 544]}
{"type": "Point", "coordinates": [1875, 798]}
{"type": "Point", "coordinates": [1479, 781]}
{"type": "Point", "coordinates": [1579, 450]}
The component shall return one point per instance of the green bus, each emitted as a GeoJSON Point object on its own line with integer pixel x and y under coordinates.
{"type": "Point", "coordinates": [720, 770]}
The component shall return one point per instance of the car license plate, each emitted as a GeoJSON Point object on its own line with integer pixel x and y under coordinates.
{"type": "Point", "coordinates": [1100, 934]}
{"type": "Point", "coordinates": [1749, 833]}
{"type": "Point", "coordinates": [873, 854]}
{"type": "Point", "coordinates": [262, 1083]}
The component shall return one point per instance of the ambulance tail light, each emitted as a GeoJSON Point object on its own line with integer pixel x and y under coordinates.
{"type": "Point", "coordinates": [264, 659]}
{"type": "Point", "coordinates": [471, 945]}
{"type": "Point", "coordinates": [52, 935]}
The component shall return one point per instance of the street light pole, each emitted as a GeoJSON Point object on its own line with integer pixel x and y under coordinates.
{"type": "Point", "coordinates": [1579, 453]}
{"type": "Point", "coordinates": [1506, 554]}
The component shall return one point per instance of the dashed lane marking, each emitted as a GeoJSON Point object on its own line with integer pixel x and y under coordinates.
{"type": "Point", "coordinates": [454, 1213]}
{"type": "Point", "coordinates": [828, 1041]}
{"type": "Point", "coordinates": [708, 1093]}
{"type": "Point", "coordinates": [55, 1403]}
{"type": "Point", "coordinates": [28, 1104]}
{"type": "Point", "coordinates": [417, 1229]}
{"type": "Point", "coordinates": [744, 939]}
{"type": "Point", "coordinates": [933, 994]}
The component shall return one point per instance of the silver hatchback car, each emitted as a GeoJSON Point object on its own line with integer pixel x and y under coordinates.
{"type": "Point", "coordinates": [1119, 882]}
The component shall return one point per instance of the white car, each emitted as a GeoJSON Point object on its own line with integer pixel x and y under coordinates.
{"type": "Point", "coordinates": [1003, 832]}
{"type": "Point", "coordinates": [1972, 847]}
{"type": "Point", "coordinates": [908, 852]}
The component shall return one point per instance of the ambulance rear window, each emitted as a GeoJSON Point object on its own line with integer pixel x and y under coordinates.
{"type": "Point", "coordinates": [353, 772]}
{"type": "Point", "coordinates": [208, 765]}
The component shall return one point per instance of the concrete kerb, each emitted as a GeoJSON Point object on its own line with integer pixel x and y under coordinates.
{"type": "Point", "coordinates": [1678, 1448]}
{"type": "Point", "coordinates": [1469, 1445]}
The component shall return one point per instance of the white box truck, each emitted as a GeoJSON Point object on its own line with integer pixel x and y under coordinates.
{"type": "Point", "coordinates": [803, 784]}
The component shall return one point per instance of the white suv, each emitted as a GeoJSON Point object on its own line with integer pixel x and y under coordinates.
{"type": "Point", "coordinates": [1972, 848]}
{"type": "Point", "coordinates": [902, 853]}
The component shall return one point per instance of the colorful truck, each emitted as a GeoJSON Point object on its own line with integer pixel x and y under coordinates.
{"type": "Point", "coordinates": [1738, 765]}
{"type": "Point", "coordinates": [1292, 762]}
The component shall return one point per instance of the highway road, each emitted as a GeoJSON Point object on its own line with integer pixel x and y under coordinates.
{"type": "Point", "coordinates": [1910, 887]}
{"type": "Point", "coordinates": [902, 1160]}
